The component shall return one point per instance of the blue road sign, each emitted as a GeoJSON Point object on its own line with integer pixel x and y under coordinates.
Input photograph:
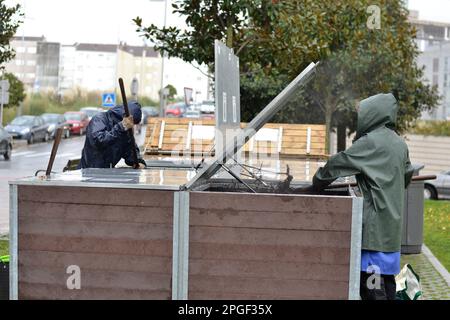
{"type": "Point", "coordinates": [108, 99]}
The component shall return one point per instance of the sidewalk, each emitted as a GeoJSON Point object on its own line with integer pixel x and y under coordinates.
{"type": "Point", "coordinates": [434, 286]}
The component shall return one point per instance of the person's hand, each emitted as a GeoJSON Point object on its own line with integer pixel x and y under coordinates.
{"type": "Point", "coordinates": [141, 166]}
{"type": "Point", "coordinates": [128, 122]}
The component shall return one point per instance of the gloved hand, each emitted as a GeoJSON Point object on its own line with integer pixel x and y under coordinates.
{"type": "Point", "coordinates": [128, 122]}
{"type": "Point", "coordinates": [140, 165]}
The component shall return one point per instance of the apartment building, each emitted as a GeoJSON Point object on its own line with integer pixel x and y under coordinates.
{"type": "Point", "coordinates": [433, 40]}
{"type": "Point", "coordinates": [62, 68]}
{"type": "Point", "coordinates": [25, 61]}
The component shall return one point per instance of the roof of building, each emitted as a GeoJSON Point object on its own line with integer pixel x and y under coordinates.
{"type": "Point", "coordinates": [138, 51]}
{"type": "Point", "coordinates": [42, 38]}
{"type": "Point", "coordinates": [429, 23]}
{"type": "Point", "coordinates": [96, 47]}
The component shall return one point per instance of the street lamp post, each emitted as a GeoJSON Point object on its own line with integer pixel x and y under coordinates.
{"type": "Point", "coordinates": [161, 91]}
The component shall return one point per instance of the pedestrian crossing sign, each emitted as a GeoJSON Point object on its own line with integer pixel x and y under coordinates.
{"type": "Point", "coordinates": [108, 99]}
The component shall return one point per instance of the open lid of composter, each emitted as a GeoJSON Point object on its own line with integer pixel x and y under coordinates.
{"type": "Point", "coordinates": [222, 156]}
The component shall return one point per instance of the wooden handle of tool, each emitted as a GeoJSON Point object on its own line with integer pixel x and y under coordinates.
{"type": "Point", "coordinates": [58, 135]}
{"type": "Point", "coordinates": [354, 184]}
{"type": "Point", "coordinates": [127, 114]}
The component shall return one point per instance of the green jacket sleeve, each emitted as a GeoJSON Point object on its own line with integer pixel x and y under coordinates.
{"type": "Point", "coordinates": [343, 164]}
{"type": "Point", "coordinates": [409, 171]}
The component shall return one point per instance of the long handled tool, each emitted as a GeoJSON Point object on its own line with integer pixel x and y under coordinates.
{"type": "Point", "coordinates": [58, 135]}
{"type": "Point", "coordinates": [130, 131]}
{"type": "Point", "coordinates": [308, 189]}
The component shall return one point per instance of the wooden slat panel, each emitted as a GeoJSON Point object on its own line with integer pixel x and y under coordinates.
{"type": "Point", "coordinates": [96, 261]}
{"type": "Point", "coordinates": [105, 213]}
{"type": "Point", "coordinates": [97, 279]}
{"type": "Point", "coordinates": [270, 287]}
{"type": "Point", "coordinates": [274, 253]}
{"type": "Point", "coordinates": [97, 229]}
{"type": "Point", "coordinates": [272, 246]}
{"type": "Point", "coordinates": [271, 220]}
{"type": "Point", "coordinates": [121, 239]}
{"type": "Point", "coordinates": [269, 237]}
{"type": "Point", "coordinates": [235, 202]}
{"type": "Point", "coordinates": [44, 291]}
{"type": "Point", "coordinates": [268, 270]}
{"type": "Point", "coordinates": [160, 248]}
{"type": "Point", "coordinates": [98, 196]}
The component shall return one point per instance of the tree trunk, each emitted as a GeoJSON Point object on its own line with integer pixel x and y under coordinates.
{"type": "Point", "coordinates": [328, 115]}
{"type": "Point", "coordinates": [230, 36]}
{"type": "Point", "coordinates": [341, 137]}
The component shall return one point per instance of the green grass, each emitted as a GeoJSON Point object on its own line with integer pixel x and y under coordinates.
{"type": "Point", "coordinates": [4, 247]}
{"type": "Point", "coordinates": [437, 229]}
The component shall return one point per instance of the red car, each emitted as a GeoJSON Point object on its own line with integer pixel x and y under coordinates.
{"type": "Point", "coordinates": [176, 110]}
{"type": "Point", "coordinates": [78, 122]}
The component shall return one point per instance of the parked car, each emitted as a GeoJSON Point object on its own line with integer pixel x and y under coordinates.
{"type": "Point", "coordinates": [439, 188]}
{"type": "Point", "coordinates": [196, 114]}
{"type": "Point", "coordinates": [78, 122]}
{"type": "Point", "coordinates": [5, 143]}
{"type": "Point", "coordinates": [207, 107]}
{"type": "Point", "coordinates": [91, 111]}
{"type": "Point", "coordinates": [55, 121]}
{"type": "Point", "coordinates": [149, 112]}
{"type": "Point", "coordinates": [176, 110]}
{"type": "Point", "coordinates": [30, 128]}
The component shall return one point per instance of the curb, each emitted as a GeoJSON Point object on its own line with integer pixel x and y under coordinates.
{"type": "Point", "coordinates": [436, 264]}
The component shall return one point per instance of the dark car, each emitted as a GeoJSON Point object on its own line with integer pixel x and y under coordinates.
{"type": "Point", "coordinates": [91, 111]}
{"type": "Point", "coordinates": [176, 110]}
{"type": "Point", "coordinates": [439, 188]}
{"type": "Point", "coordinates": [55, 121]}
{"type": "Point", "coordinates": [5, 144]}
{"type": "Point", "coordinates": [149, 112]}
{"type": "Point", "coordinates": [30, 128]}
{"type": "Point", "coordinates": [78, 122]}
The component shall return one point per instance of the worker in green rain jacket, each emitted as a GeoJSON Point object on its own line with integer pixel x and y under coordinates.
{"type": "Point", "coordinates": [380, 162]}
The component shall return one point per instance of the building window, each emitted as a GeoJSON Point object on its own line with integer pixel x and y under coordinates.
{"type": "Point", "coordinates": [20, 49]}
{"type": "Point", "coordinates": [30, 75]}
{"type": "Point", "coordinates": [436, 65]}
{"type": "Point", "coordinates": [19, 62]}
{"type": "Point", "coordinates": [435, 80]}
{"type": "Point", "coordinates": [445, 81]}
{"type": "Point", "coordinates": [31, 50]}
{"type": "Point", "coordinates": [31, 63]}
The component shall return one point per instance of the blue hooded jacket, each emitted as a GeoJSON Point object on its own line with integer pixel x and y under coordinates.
{"type": "Point", "coordinates": [107, 140]}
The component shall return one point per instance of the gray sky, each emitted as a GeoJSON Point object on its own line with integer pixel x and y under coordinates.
{"type": "Point", "coordinates": [108, 21]}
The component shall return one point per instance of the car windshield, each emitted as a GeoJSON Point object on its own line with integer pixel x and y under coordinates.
{"type": "Point", "coordinates": [72, 116]}
{"type": "Point", "coordinates": [51, 118]}
{"type": "Point", "coordinates": [23, 121]}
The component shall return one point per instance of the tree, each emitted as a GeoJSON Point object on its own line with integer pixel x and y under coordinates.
{"type": "Point", "coordinates": [9, 22]}
{"type": "Point", "coordinates": [171, 94]}
{"type": "Point", "coordinates": [275, 40]}
{"type": "Point", "coordinates": [16, 90]}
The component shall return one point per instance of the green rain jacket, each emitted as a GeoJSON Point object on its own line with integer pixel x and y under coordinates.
{"type": "Point", "coordinates": [380, 162]}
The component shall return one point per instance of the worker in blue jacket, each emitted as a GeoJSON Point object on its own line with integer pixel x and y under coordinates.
{"type": "Point", "coordinates": [107, 140]}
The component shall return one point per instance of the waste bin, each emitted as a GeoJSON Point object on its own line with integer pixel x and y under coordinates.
{"type": "Point", "coordinates": [4, 277]}
{"type": "Point", "coordinates": [412, 232]}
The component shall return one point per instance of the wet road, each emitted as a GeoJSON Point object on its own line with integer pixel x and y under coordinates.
{"type": "Point", "coordinates": [27, 159]}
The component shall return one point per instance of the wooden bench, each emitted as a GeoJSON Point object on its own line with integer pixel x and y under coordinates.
{"type": "Point", "coordinates": [181, 136]}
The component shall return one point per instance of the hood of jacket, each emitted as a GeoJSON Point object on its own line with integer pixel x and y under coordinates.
{"type": "Point", "coordinates": [376, 111]}
{"type": "Point", "coordinates": [135, 110]}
